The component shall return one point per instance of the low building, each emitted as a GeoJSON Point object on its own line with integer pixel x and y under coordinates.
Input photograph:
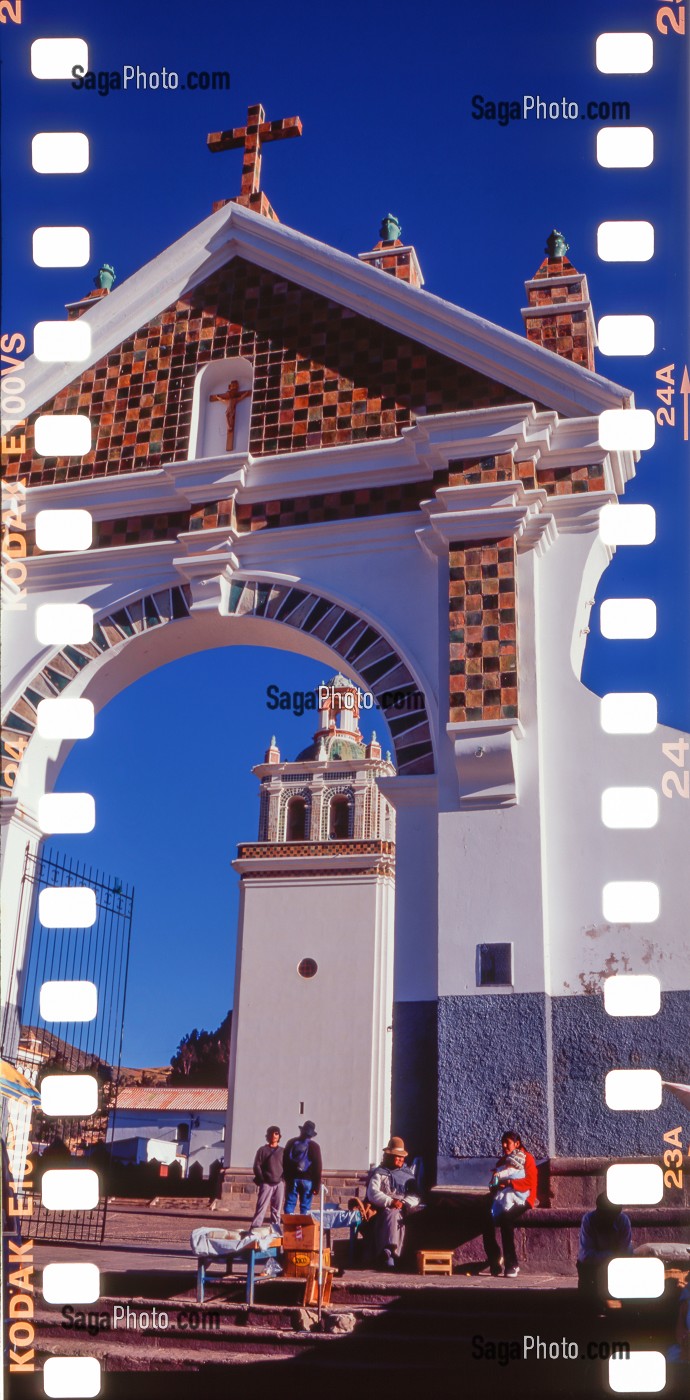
{"type": "Point", "coordinates": [169, 1124]}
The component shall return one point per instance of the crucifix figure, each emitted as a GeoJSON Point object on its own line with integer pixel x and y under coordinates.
{"type": "Point", "coordinates": [231, 397]}
{"type": "Point", "coordinates": [252, 137]}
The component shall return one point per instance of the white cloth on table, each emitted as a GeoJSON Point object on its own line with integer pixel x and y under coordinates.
{"type": "Point", "coordinates": [209, 1242]}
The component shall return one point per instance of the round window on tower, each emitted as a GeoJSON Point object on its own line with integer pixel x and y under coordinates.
{"type": "Point", "coordinates": [307, 968]}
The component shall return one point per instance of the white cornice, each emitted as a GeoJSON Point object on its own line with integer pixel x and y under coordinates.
{"type": "Point", "coordinates": [413, 790]}
{"type": "Point", "coordinates": [579, 515]}
{"type": "Point", "coordinates": [488, 511]}
{"type": "Point", "coordinates": [289, 866]}
{"type": "Point", "coordinates": [237, 232]}
{"type": "Point", "coordinates": [555, 308]}
{"type": "Point", "coordinates": [101, 566]}
{"type": "Point", "coordinates": [428, 445]}
{"type": "Point", "coordinates": [561, 281]}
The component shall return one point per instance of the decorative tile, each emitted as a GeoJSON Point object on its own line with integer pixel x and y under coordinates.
{"type": "Point", "coordinates": [483, 630]}
{"type": "Point", "coordinates": [322, 376]}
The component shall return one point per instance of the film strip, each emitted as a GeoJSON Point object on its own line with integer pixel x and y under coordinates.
{"type": "Point", "coordinates": [94, 407]}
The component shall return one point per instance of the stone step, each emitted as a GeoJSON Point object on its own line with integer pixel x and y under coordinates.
{"type": "Point", "coordinates": [421, 1344]}
{"type": "Point", "coordinates": [578, 1180]}
{"type": "Point", "coordinates": [545, 1238]}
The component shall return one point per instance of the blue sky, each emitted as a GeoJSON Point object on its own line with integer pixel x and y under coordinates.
{"type": "Point", "coordinates": [385, 97]}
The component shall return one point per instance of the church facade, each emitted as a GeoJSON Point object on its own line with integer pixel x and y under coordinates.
{"type": "Point", "coordinates": [301, 449]}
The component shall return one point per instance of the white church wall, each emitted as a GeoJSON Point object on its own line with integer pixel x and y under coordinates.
{"type": "Point", "coordinates": [580, 760]}
{"type": "Point", "coordinates": [416, 913]}
{"type": "Point", "coordinates": [315, 1044]}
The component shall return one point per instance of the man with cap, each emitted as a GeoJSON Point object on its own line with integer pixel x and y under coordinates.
{"type": "Point", "coordinates": [302, 1167]}
{"type": "Point", "coordinates": [387, 1185]}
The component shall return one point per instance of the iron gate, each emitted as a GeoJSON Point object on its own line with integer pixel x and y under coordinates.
{"type": "Point", "coordinates": [99, 954]}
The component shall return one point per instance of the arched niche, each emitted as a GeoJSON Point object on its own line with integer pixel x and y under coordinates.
{"type": "Point", "coordinates": [208, 430]}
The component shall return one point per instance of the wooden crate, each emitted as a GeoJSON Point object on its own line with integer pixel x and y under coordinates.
{"type": "Point", "coordinates": [298, 1262]}
{"type": "Point", "coordinates": [435, 1261]}
{"type": "Point", "coordinates": [311, 1287]}
{"type": "Point", "coordinates": [300, 1232]}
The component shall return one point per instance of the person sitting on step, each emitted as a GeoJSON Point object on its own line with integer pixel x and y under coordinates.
{"type": "Point", "coordinates": [605, 1234]}
{"type": "Point", "coordinates": [387, 1186]}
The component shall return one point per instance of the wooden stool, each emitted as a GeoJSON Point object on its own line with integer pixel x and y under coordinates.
{"type": "Point", "coordinates": [435, 1261]}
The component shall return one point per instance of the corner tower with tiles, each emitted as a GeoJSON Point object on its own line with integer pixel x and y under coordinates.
{"type": "Point", "coordinates": [304, 448]}
{"type": "Point", "coordinates": [312, 1022]}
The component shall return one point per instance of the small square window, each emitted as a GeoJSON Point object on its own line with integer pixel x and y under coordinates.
{"type": "Point", "coordinates": [494, 964]}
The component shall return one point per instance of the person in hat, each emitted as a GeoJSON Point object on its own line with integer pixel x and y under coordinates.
{"type": "Point", "coordinates": [605, 1234]}
{"type": "Point", "coordinates": [387, 1186]}
{"type": "Point", "coordinates": [302, 1166]}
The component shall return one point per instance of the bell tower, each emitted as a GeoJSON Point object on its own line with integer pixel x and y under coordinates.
{"type": "Point", "coordinates": [314, 979]}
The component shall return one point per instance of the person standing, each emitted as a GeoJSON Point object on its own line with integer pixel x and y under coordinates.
{"type": "Point", "coordinates": [513, 1192]}
{"type": "Point", "coordinates": [302, 1166]}
{"type": "Point", "coordinates": [268, 1175]}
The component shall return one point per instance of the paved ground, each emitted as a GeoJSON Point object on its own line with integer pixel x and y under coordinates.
{"type": "Point", "coordinates": [153, 1240]}
{"type": "Point", "coordinates": [412, 1335]}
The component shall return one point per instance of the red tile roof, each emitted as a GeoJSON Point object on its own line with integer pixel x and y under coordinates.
{"type": "Point", "coordinates": [169, 1100]}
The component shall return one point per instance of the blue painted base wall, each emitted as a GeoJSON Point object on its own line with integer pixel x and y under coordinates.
{"type": "Point", "coordinates": [492, 1073]}
{"type": "Point", "coordinates": [586, 1044]}
{"type": "Point", "coordinates": [537, 1064]}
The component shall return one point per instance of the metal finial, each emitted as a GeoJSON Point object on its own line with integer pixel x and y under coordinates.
{"type": "Point", "coordinates": [105, 277]}
{"type": "Point", "coordinates": [556, 246]}
{"type": "Point", "coordinates": [390, 229]}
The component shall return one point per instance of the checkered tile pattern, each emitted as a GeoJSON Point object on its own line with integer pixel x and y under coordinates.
{"type": "Point", "coordinates": [322, 376]}
{"type": "Point", "coordinates": [273, 850]}
{"type": "Point", "coordinates": [337, 505]}
{"type": "Point", "coordinates": [385, 866]}
{"type": "Point", "coordinates": [472, 471]}
{"type": "Point", "coordinates": [567, 333]}
{"type": "Point", "coordinates": [562, 481]}
{"type": "Point", "coordinates": [212, 516]}
{"type": "Point", "coordinates": [483, 630]}
{"type": "Point", "coordinates": [139, 529]}
{"type": "Point", "coordinates": [395, 259]}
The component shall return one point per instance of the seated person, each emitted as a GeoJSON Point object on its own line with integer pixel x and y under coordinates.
{"type": "Point", "coordinates": [605, 1234]}
{"type": "Point", "coordinates": [513, 1190]}
{"type": "Point", "coordinates": [388, 1186]}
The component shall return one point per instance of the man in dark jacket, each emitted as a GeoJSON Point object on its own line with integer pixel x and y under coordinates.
{"type": "Point", "coordinates": [302, 1167]}
{"type": "Point", "coordinates": [605, 1234]}
{"type": "Point", "coordinates": [268, 1175]}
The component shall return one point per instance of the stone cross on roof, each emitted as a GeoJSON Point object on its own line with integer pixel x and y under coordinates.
{"type": "Point", "coordinates": [252, 137]}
